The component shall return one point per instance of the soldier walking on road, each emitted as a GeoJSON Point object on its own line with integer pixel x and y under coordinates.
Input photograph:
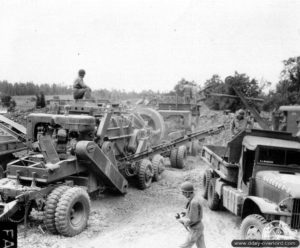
{"type": "Point", "coordinates": [80, 89]}
{"type": "Point", "coordinates": [192, 219]}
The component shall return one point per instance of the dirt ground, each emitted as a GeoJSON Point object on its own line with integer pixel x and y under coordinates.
{"type": "Point", "coordinates": [142, 218]}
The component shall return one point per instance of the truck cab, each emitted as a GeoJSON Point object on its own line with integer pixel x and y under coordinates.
{"type": "Point", "coordinates": [286, 118]}
{"type": "Point", "coordinates": [257, 176]}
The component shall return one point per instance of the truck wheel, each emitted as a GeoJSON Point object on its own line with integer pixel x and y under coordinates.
{"type": "Point", "coordinates": [145, 174]}
{"type": "Point", "coordinates": [181, 157]}
{"type": "Point", "coordinates": [50, 207]}
{"type": "Point", "coordinates": [252, 226]}
{"type": "Point", "coordinates": [212, 196]}
{"type": "Point", "coordinates": [205, 182]}
{"type": "Point", "coordinates": [158, 167]}
{"type": "Point", "coordinates": [72, 212]}
{"type": "Point", "coordinates": [173, 158]}
{"type": "Point", "coordinates": [18, 216]}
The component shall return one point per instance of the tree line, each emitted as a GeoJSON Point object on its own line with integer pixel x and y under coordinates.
{"type": "Point", "coordinates": [286, 92]}
{"type": "Point", "coordinates": [29, 88]}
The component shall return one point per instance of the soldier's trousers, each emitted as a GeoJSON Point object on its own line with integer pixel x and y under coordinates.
{"type": "Point", "coordinates": [82, 93]}
{"type": "Point", "coordinates": [195, 236]}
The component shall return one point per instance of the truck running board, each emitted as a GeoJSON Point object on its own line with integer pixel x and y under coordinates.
{"type": "Point", "coordinates": [89, 151]}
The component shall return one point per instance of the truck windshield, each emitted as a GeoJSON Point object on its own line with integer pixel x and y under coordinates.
{"type": "Point", "coordinates": [279, 156]}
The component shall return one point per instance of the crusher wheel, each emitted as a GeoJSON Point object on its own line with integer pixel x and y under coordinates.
{"type": "Point", "coordinates": [155, 121]}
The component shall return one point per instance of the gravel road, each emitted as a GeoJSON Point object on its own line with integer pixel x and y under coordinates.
{"type": "Point", "coordinates": [142, 218]}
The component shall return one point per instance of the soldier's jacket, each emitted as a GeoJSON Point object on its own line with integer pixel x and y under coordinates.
{"type": "Point", "coordinates": [79, 84]}
{"type": "Point", "coordinates": [80, 89]}
{"type": "Point", "coordinates": [194, 214]}
{"type": "Point", "coordinates": [240, 125]}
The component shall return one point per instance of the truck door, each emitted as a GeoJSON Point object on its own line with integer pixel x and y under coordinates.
{"type": "Point", "coordinates": [246, 169]}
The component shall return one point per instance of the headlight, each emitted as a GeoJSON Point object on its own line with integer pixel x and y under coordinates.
{"type": "Point", "coordinates": [285, 205]}
{"type": "Point", "coordinates": [282, 206]}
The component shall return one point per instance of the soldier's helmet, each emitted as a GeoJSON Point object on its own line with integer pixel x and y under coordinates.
{"type": "Point", "coordinates": [241, 112]}
{"type": "Point", "coordinates": [187, 187]}
{"type": "Point", "coordinates": [81, 72]}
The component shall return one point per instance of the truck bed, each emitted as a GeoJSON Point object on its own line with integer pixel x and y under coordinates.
{"type": "Point", "coordinates": [9, 144]}
{"type": "Point", "coordinates": [217, 158]}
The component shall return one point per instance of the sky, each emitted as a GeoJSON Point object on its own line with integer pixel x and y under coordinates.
{"type": "Point", "coordinates": [143, 44]}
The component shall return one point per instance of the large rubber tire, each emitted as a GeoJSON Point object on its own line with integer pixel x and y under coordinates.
{"type": "Point", "coordinates": [72, 212]}
{"type": "Point", "coordinates": [213, 198]}
{"type": "Point", "coordinates": [158, 166]}
{"type": "Point", "coordinates": [252, 226]}
{"type": "Point", "coordinates": [145, 174]}
{"type": "Point", "coordinates": [19, 215]}
{"type": "Point", "coordinates": [173, 158]}
{"type": "Point", "coordinates": [181, 157]}
{"type": "Point", "coordinates": [205, 182]}
{"type": "Point", "coordinates": [50, 207]}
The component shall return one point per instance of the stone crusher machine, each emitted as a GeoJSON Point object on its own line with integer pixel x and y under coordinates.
{"type": "Point", "coordinates": [75, 155]}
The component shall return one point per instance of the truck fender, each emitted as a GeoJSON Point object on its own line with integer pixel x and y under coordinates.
{"type": "Point", "coordinates": [258, 205]}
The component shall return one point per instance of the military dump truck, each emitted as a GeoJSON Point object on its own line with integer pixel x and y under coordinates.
{"type": "Point", "coordinates": [181, 118]}
{"type": "Point", "coordinates": [257, 177]}
{"type": "Point", "coordinates": [185, 114]}
{"type": "Point", "coordinates": [73, 155]}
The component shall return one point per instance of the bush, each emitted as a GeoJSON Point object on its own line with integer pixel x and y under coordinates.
{"type": "Point", "coordinates": [5, 100]}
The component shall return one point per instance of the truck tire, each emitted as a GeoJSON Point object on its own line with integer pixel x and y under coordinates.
{"type": "Point", "coordinates": [19, 215]}
{"type": "Point", "coordinates": [181, 157]}
{"type": "Point", "coordinates": [158, 166]}
{"type": "Point", "coordinates": [50, 207]}
{"type": "Point", "coordinates": [213, 198]}
{"type": "Point", "coordinates": [173, 158]}
{"type": "Point", "coordinates": [205, 182]}
{"type": "Point", "coordinates": [145, 174]}
{"type": "Point", "coordinates": [252, 226]}
{"type": "Point", "coordinates": [72, 212]}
